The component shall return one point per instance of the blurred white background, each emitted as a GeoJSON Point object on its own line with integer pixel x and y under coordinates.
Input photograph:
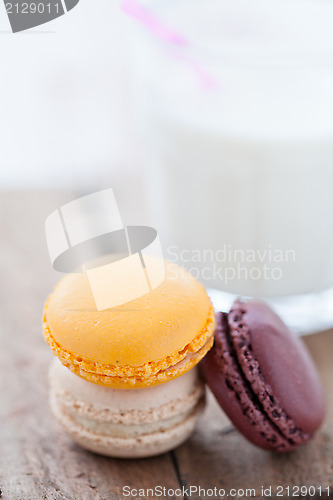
{"type": "Point", "coordinates": [65, 108]}
{"type": "Point", "coordinates": [248, 165]}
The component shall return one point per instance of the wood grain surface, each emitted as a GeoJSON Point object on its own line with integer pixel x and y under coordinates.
{"type": "Point", "coordinates": [38, 461]}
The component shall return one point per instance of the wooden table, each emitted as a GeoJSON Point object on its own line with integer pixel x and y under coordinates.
{"type": "Point", "coordinates": [38, 461]}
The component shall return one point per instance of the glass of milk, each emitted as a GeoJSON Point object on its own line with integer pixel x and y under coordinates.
{"type": "Point", "coordinates": [240, 169]}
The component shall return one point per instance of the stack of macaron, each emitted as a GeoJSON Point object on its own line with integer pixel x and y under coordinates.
{"type": "Point", "coordinates": [126, 382]}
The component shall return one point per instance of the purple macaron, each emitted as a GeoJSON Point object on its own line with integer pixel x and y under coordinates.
{"type": "Point", "coordinates": [264, 378]}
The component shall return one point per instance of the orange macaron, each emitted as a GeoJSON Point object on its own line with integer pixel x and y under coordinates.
{"type": "Point", "coordinates": [147, 341]}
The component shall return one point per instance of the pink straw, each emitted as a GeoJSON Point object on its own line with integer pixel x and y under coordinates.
{"type": "Point", "coordinates": [136, 10]}
{"type": "Point", "coordinates": [140, 13]}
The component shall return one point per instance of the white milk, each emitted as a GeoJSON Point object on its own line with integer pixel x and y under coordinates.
{"type": "Point", "coordinates": [241, 175]}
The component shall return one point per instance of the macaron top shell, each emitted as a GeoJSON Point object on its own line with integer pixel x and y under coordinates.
{"type": "Point", "coordinates": [146, 329]}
